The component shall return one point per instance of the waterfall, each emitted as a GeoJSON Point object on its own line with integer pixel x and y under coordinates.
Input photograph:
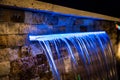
{"type": "Point", "coordinates": [79, 56]}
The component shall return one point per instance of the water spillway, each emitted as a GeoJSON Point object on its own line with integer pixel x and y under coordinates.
{"type": "Point", "coordinates": [79, 56]}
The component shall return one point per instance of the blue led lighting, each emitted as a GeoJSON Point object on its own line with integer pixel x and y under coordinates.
{"type": "Point", "coordinates": [58, 36]}
{"type": "Point", "coordinates": [48, 11]}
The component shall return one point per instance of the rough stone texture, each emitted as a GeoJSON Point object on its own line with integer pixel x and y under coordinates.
{"type": "Point", "coordinates": [3, 28]}
{"type": "Point", "coordinates": [40, 29]}
{"type": "Point", "coordinates": [8, 54]}
{"type": "Point", "coordinates": [28, 4]}
{"type": "Point", "coordinates": [110, 28]}
{"type": "Point", "coordinates": [13, 28]}
{"type": "Point", "coordinates": [17, 40]}
{"type": "Point", "coordinates": [4, 68]}
{"type": "Point", "coordinates": [24, 28]}
{"type": "Point", "coordinates": [4, 78]}
{"type": "Point", "coordinates": [34, 4]}
{"type": "Point", "coordinates": [14, 15]}
{"type": "Point", "coordinates": [29, 67]}
{"type": "Point", "coordinates": [3, 40]}
{"type": "Point", "coordinates": [28, 17]}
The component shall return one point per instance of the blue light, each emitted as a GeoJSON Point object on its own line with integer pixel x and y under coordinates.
{"type": "Point", "coordinates": [47, 11]}
{"type": "Point", "coordinates": [87, 48]}
{"type": "Point", "coordinates": [59, 36]}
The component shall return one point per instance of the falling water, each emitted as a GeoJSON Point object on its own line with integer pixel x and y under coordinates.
{"type": "Point", "coordinates": [79, 56]}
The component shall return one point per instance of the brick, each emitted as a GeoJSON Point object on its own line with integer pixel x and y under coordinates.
{"type": "Point", "coordinates": [39, 29]}
{"type": "Point", "coordinates": [28, 17]}
{"type": "Point", "coordinates": [38, 18]}
{"type": "Point", "coordinates": [51, 19]}
{"type": "Point", "coordinates": [13, 28]}
{"type": "Point", "coordinates": [21, 40]}
{"type": "Point", "coordinates": [3, 40]}
{"type": "Point", "coordinates": [3, 27]}
{"type": "Point", "coordinates": [4, 68]}
{"type": "Point", "coordinates": [4, 78]}
{"type": "Point", "coordinates": [5, 15]}
{"type": "Point", "coordinates": [8, 54]}
{"type": "Point", "coordinates": [12, 39]}
{"type": "Point", "coordinates": [17, 40]}
{"type": "Point", "coordinates": [24, 28]}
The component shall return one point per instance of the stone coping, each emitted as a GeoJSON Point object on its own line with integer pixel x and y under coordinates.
{"type": "Point", "coordinates": [39, 5]}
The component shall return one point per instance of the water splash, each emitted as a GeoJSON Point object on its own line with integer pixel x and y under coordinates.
{"type": "Point", "coordinates": [79, 56]}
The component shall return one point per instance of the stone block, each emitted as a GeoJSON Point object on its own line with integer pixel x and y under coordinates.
{"type": "Point", "coordinates": [12, 39]}
{"type": "Point", "coordinates": [10, 15]}
{"type": "Point", "coordinates": [8, 54]}
{"type": "Point", "coordinates": [38, 18]}
{"type": "Point", "coordinates": [24, 28]}
{"type": "Point", "coordinates": [4, 78]}
{"type": "Point", "coordinates": [39, 29]}
{"type": "Point", "coordinates": [4, 15]}
{"type": "Point", "coordinates": [78, 22]}
{"type": "Point", "coordinates": [51, 19]}
{"type": "Point", "coordinates": [17, 40]}
{"type": "Point", "coordinates": [22, 40]}
{"type": "Point", "coordinates": [13, 28]}
{"type": "Point", "coordinates": [4, 68]}
{"type": "Point", "coordinates": [25, 51]}
{"type": "Point", "coordinates": [3, 27]}
{"type": "Point", "coordinates": [28, 17]}
{"type": "Point", "coordinates": [3, 40]}
{"type": "Point", "coordinates": [28, 4]}
{"type": "Point", "coordinates": [16, 16]}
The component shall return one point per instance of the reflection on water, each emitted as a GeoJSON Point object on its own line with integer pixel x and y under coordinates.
{"type": "Point", "coordinates": [79, 56]}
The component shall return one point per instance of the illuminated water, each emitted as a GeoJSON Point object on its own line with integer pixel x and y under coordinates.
{"type": "Point", "coordinates": [79, 56]}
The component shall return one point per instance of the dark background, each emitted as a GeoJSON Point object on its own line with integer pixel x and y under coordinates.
{"type": "Point", "coordinates": [106, 7]}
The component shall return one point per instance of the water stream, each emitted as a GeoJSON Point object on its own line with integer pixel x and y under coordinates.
{"type": "Point", "coordinates": [79, 56]}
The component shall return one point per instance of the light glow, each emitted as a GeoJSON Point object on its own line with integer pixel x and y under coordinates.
{"type": "Point", "coordinates": [117, 26]}
{"type": "Point", "coordinates": [58, 36]}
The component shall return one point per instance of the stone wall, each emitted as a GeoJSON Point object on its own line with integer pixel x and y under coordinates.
{"type": "Point", "coordinates": [19, 57]}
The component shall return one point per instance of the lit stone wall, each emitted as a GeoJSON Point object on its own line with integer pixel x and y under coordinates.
{"type": "Point", "coordinates": [16, 50]}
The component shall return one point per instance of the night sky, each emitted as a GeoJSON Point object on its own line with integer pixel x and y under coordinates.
{"type": "Point", "coordinates": [107, 7]}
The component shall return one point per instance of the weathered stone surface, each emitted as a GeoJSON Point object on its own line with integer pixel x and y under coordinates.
{"type": "Point", "coordinates": [4, 78]}
{"type": "Point", "coordinates": [12, 40]}
{"type": "Point", "coordinates": [28, 4]}
{"type": "Point", "coordinates": [5, 15]}
{"type": "Point", "coordinates": [25, 51]}
{"type": "Point", "coordinates": [17, 40]}
{"type": "Point", "coordinates": [3, 27]}
{"type": "Point", "coordinates": [8, 54]}
{"type": "Point", "coordinates": [24, 28]}
{"type": "Point", "coordinates": [39, 29]}
{"type": "Point", "coordinates": [8, 15]}
{"type": "Point", "coordinates": [38, 18]}
{"type": "Point", "coordinates": [23, 64]}
{"type": "Point", "coordinates": [13, 28]}
{"type": "Point", "coordinates": [28, 17]}
{"type": "Point", "coordinates": [4, 68]}
{"type": "Point", "coordinates": [31, 67]}
{"type": "Point", "coordinates": [51, 19]}
{"type": "Point", "coordinates": [16, 16]}
{"type": "Point", "coordinates": [21, 40]}
{"type": "Point", "coordinates": [3, 40]}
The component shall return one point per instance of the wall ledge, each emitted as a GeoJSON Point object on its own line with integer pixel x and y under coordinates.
{"type": "Point", "coordinates": [39, 5]}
